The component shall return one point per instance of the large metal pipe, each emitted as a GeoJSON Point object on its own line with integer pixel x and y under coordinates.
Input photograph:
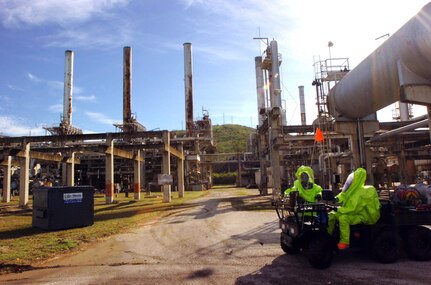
{"type": "Point", "coordinates": [275, 73]}
{"type": "Point", "coordinates": [127, 84]}
{"type": "Point", "coordinates": [188, 83]}
{"type": "Point", "coordinates": [402, 61]}
{"type": "Point", "coordinates": [416, 125]}
{"type": "Point", "coordinates": [68, 88]}
{"type": "Point", "coordinates": [302, 105]}
{"type": "Point", "coordinates": [260, 89]}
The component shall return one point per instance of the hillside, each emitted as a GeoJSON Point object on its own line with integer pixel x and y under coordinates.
{"type": "Point", "coordinates": [231, 138]}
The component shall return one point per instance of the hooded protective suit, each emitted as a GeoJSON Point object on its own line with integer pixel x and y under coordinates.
{"type": "Point", "coordinates": [359, 205]}
{"type": "Point", "coordinates": [308, 190]}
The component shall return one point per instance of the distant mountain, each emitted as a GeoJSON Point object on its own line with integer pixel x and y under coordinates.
{"type": "Point", "coordinates": [231, 138]}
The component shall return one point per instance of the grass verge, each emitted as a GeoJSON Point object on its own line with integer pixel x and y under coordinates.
{"type": "Point", "coordinates": [22, 245]}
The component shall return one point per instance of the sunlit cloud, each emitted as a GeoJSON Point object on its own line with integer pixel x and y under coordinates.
{"type": "Point", "coordinates": [85, 98]}
{"type": "Point", "coordinates": [54, 84]}
{"type": "Point", "coordinates": [100, 118]}
{"type": "Point", "coordinates": [16, 13]}
{"type": "Point", "coordinates": [97, 36]}
{"type": "Point", "coordinates": [16, 126]}
{"type": "Point", "coordinates": [57, 108]}
{"type": "Point", "coordinates": [33, 78]}
{"type": "Point", "coordinates": [14, 88]}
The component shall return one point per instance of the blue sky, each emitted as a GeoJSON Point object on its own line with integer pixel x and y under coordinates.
{"type": "Point", "coordinates": [35, 34]}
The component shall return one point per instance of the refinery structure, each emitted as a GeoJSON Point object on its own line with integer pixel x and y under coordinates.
{"type": "Point", "coordinates": [345, 135]}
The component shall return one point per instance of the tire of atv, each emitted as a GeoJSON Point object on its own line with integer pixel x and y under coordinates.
{"type": "Point", "coordinates": [418, 244]}
{"type": "Point", "coordinates": [320, 251]}
{"type": "Point", "coordinates": [385, 247]}
{"type": "Point", "coordinates": [287, 249]}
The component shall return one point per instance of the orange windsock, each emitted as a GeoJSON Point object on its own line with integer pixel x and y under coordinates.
{"type": "Point", "coordinates": [319, 136]}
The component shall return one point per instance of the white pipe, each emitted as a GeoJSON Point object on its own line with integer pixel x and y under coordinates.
{"type": "Point", "coordinates": [260, 89]}
{"type": "Point", "coordinates": [68, 88]}
{"type": "Point", "coordinates": [302, 105]}
{"type": "Point", "coordinates": [419, 124]}
{"type": "Point", "coordinates": [276, 89]}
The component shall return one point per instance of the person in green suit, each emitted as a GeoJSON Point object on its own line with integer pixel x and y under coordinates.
{"type": "Point", "coordinates": [359, 205]}
{"type": "Point", "coordinates": [304, 184]}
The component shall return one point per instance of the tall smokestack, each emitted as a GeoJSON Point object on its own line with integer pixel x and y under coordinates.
{"type": "Point", "coordinates": [260, 89]}
{"type": "Point", "coordinates": [188, 83]}
{"type": "Point", "coordinates": [302, 105]}
{"type": "Point", "coordinates": [127, 84]}
{"type": "Point", "coordinates": [276, 89]}
{"type": "Point", "coordinates": [68, 88]}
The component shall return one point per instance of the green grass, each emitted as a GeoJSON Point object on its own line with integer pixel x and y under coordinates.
{"type": "Point", "coordinates": [21, 244]}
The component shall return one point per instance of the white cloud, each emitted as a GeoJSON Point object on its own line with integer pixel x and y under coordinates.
{"type": "Point", "coordinates": [54, 84]}
{"type": "Point", "coordinates": [57, 108]}
{"type": "Point", "coordinates": [91, 36]}
{"type": "Point", "coordinates": [33, 78]}
{"type": "Point", "coordinates": [15, 13]}
{"type": "Point", "coordinates": [100, 118]}
{"type": "Point", "coordinates": [85, 98]}
{"type": "Point", "coordinates": [14, 88]}
{"type": "Point", "coordinates": [16, 126]}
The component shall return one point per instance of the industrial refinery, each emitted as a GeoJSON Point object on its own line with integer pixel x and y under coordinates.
{"type": "Point", "coordinates": [345, 134]}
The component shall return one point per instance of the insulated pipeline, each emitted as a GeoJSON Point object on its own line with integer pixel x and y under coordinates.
{"type": "Point", "coordinates": [402, 60]}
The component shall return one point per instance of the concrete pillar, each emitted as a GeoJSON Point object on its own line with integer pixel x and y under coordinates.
{"type": "Point", "coordinates": [239, 173]}
{"type": "Point", "coordinates": [137, 175]}
{"type": "Point", "coordinates": [274, 132]}
{"type": "Point", "coordinates": [70, 171]}
{"type": "Point", "coordinates": [180, 174]}
{"type": "Point", "coordinates": [6, 179]}
{"type": "Point", "coordinates": [63, 173]}
{"type": "Point", "coordinates": [109, 171]}
{"type": "Point", "coordinates": [143, 171]}
{"type": "Point", "coordinates": [263, 185]}
{"type": "Point", "coordinates": [24, 175]}
{"type": "Point", "coordinates": [166, 167]}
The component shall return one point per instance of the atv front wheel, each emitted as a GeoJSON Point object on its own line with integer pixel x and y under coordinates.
{"type": "Point", "coordinates": [418, 243]}
{"type": "Point", "coordinates": [293, 249]}
{"type": "Point", "coordinates": [320, 251]}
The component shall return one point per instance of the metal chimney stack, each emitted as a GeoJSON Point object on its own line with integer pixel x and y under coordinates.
{"type": "Point", "coordinates": [302, 105]}
{"type": "Point", "coordinates": [275, 72]}
{"type": "Point", "coordinates": [260, 89]}
{"type": "Point", "coordinates": [68, 88]}
{"type": "Point", "coordinates": [127, 85]}
{"type": "Point", "coordinates": [188, 83]}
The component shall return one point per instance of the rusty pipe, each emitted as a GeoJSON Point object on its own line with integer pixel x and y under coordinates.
{"type": "Point", "coordinates": [127, 84]}
{"type": "Point", "coordinates": [188, 84]}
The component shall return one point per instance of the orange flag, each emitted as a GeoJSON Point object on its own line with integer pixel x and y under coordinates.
{"type": "Point", "coordinates": [319, 136]}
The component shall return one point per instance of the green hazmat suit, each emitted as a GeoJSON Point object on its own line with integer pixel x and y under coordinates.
{"type": "Point", "coordinates": [359, 205]}
{"type": "Point", "coordinates": [309, 193]}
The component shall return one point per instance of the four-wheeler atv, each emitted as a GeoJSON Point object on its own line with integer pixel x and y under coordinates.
{"type": "Point", "coordinates": [304, 228]}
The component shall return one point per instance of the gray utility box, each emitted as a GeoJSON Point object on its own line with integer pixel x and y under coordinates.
{"type": "Point", "coordinates": [56, 208]}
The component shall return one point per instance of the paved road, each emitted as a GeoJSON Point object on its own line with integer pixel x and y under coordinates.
{"type": "Point", "coordinates": [211, 243]}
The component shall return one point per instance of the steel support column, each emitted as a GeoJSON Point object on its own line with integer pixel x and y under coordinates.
{"type": "Point", "coordinates": [70, 169]}
{"type": "Point", "coordinates": [166, 167]}
{"type": "Point", "coordinates": [6, 179]}
{"type": "Point", "coordinates": [109, 171]}
{"type": "Point", "coordinates": [180, 173]}
{"type": "Point", "coordinates": [137, 175]}
{"type": "Point", "coordinates": [24, 175]}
